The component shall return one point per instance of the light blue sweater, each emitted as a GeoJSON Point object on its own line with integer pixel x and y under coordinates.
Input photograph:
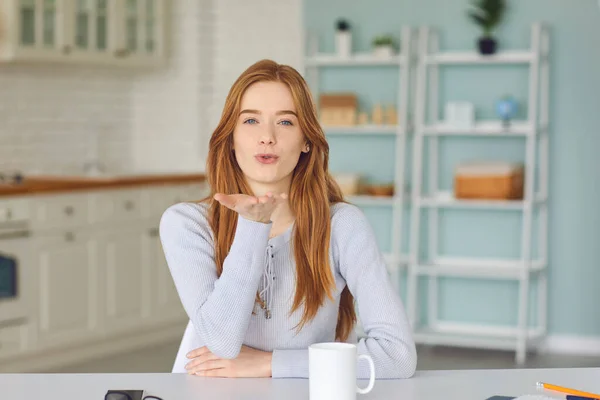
{"type": "Point", "coordinates": [220, 309]}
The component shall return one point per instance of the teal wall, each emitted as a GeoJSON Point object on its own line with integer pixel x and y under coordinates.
{"type": "Point", "coordinates": [574, 219]}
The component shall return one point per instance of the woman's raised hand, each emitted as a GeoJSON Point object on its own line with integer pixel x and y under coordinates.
{"type": "Point", "coordinates": [255, 208]}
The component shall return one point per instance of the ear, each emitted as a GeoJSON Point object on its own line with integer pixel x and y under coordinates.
{"type": "Point", "coordinates": [306, 148]}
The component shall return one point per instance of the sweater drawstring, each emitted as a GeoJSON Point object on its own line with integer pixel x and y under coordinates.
{"type": "Point", "coordinates": [267, 293]}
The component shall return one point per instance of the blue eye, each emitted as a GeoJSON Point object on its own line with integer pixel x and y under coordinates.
{"type": "Point", "coordinates": [250, 119]}
{"type": "Point", "coordinates": [286, 122]}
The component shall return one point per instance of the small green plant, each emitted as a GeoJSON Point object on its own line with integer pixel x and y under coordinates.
{"type": "Point", "coordinates": [383, 40]}
{"type": "Point", "coordinates": [487, 14]}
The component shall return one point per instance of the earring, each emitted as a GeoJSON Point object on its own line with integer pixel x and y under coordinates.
{"type": "Point", "coordinates": [307, 148]}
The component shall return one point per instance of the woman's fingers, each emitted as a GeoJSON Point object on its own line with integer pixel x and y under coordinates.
{"type": "Point", "coordinates": [263, 199]}
{"type": "Point", "coordinates": [198, 352]}
{"type": "Point", "coordinates": [201, 360]}
{"type": "Point", "coordinates": [208, 365]}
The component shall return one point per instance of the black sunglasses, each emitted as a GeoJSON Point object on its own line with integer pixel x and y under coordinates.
{"type": "Point", "coordinates": [125, 395]}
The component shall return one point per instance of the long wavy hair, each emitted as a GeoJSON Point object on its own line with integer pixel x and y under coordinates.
{"type": "Point", "coordinates": [312, 192]}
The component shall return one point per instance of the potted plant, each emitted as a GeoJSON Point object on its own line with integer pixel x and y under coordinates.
{"type": "Point", "coordinates": [343, 38]}
{"type": "Point", "coordinates": [487, 14]}
{"type": "Point", "coordinates": [383, 46]}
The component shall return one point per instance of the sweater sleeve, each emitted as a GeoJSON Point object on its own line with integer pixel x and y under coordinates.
{"type": "Point", "coordinates": [219, 308]}
{"type": "Point", "coordinates": [389, 339]}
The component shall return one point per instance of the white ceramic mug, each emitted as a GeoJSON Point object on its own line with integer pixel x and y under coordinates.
{"type": "Point", "coordinates": [332, 371]}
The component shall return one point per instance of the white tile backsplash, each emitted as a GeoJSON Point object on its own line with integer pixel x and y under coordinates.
{"type": "Point", "coordinates": [145, 119]}
{"type": "Point", "coordinates": [48, 112]}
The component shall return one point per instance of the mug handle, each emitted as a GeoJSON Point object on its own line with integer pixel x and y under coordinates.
{"type": "Point", "coordinates": [371, 376]}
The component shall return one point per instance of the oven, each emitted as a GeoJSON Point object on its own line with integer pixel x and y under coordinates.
{"type": "Point", "coordinates": [16, 274]}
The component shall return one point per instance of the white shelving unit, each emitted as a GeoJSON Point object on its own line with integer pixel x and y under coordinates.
{"type": "Point", "coordinates": [359, 59]}
{"type": "Point", "coordinates": [523, 269]}
{"type": "Point", "coordinates": [313, 63]}
{"type": "Point", "coordinates": [489, 128]}
{"type": "Point", "coordinates": [361, 130]}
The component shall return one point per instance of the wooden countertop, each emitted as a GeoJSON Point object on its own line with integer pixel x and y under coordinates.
{"type": "Point", "coordinates": [44, 184]}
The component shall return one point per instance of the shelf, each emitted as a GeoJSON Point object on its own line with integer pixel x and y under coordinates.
{"type": "Point", "coordinates": [469, 328]}
{"type": "Point", "coordinates": [362, 130]}
{"type": "Point", "coordinates": [431, 336]}
{"type": "Point", "coordinates": [359, 59]}
{"type": "Point", "coordinates": [482, 128]}
{"type": "Point", "coordinates": [474, 267]}
{"type": "Point", "coordinates": [390, 259]}
{"type": "Point", "coordinates": [471, 57]}
{"type": "Point", "coordinates": [368, 200]}
{"type": "Point", "coordinates": [447, 200]}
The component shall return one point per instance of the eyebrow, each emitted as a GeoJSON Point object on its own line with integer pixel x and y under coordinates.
{"type": "Point", "coordinates": [282, 112]}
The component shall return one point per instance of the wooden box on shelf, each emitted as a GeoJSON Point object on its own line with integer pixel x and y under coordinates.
{"type": "Point", "coordinates": [489, 180]}
{"type": "Point", "coordinates": [338, 109]}
{"type": "Point", "coordinates": [349, 183]}
{"type": "Point", "coordinates": [386, 190]}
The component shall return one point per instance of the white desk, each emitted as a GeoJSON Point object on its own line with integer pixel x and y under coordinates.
{"type": "Point", "coordinates": [430, 385]}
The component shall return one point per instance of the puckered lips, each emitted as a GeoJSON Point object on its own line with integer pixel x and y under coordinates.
{"type": "Point", "coordinates": [266, 158]}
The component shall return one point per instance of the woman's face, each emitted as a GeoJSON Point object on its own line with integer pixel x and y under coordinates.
{"type": "Point", "coordinates": [267, 139]}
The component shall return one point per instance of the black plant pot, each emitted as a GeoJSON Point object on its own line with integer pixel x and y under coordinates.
{"type": "Point", "coordinates": [487, 45]}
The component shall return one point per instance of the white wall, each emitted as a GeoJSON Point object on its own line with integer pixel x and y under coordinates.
{"type": "Point", "coordinates": [147, 120]}
{"type": "Point", "coordinates": [250, 31]}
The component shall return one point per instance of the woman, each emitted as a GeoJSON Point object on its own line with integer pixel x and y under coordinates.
{"type": "Point", "coordinates": [273, 259]}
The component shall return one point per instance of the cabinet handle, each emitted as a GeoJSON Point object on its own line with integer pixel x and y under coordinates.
{"type": "Point", "coordinates": [69, 210]}
{"type": "Point", "coordinates": [129, 205]}
{"type": "Point", "coordinates": [153, 232]}
{"type": "Point", "coordinates": [69, 236]}
{"type": "Point", "coordinates": [67, 49]}
{"type": "Point", "coordinates": [121, 53]}
{"type": "Point", "coordinates": [9, 214]}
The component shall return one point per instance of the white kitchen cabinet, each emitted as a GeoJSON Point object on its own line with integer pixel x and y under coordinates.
{"type": "Point", "coordinates": [67, 265]}
{"type": "Point", "coordinates": [101, 32]}
{"type": "Point", "coordinates": [98, 274]}
{"type": "Point", "coordinates": [89, 27]}
{"type": "Point", "coordinates": [117, 207]}
{"type": "Point", "coordinates": [141, 31]}
{"type": "Point", "coordinates": [14, 339]}
{"type": "Point", "coordinates": [51, 213]}
{"type": "Point", "coordinates": [124, 279]}
{"type": "Point", "coordinates": [34, 29]}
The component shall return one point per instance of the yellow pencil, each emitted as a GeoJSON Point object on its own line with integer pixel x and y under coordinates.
{"type": "Point", "coordinates": [561, 389]}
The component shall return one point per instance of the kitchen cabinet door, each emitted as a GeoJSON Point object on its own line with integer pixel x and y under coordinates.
{"type": "Point", "coordinates": [90, 27]}
{"type": "Point", "coordinates": [68, 288]}
{"type": "Point", "coordinates": [35, 30]}
{"type": "Point", "coordinates": [141, 32]}
{"type": "Point", "coordinates": [124, 279]}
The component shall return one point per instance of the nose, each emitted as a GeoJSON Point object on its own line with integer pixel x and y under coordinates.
{"type": "Point", "coordinates": [267, 136]}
